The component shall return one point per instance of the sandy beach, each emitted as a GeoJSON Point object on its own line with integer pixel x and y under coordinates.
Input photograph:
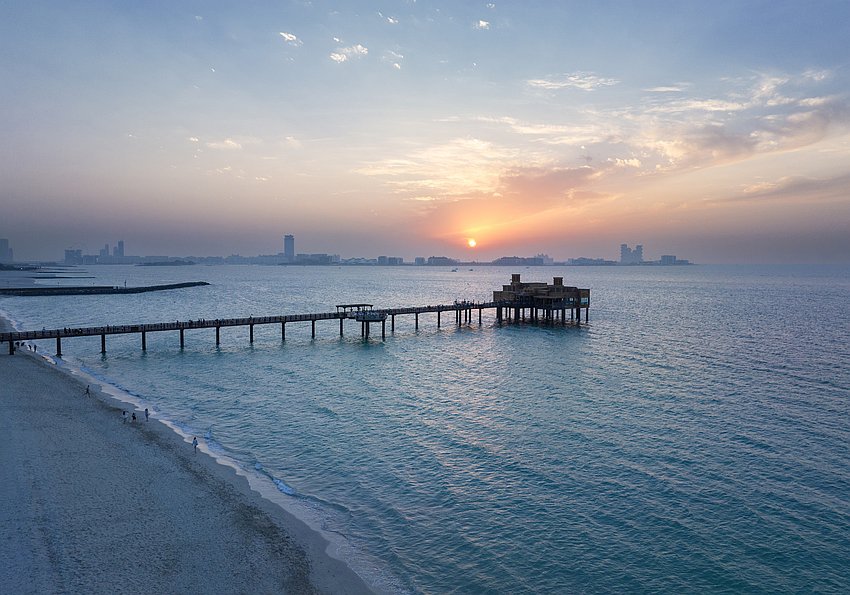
{"type": "Point", "coordinates": [93, 504]}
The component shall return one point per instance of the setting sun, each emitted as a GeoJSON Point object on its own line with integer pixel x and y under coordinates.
{"type": "Point", "coordinates": [471, 242]}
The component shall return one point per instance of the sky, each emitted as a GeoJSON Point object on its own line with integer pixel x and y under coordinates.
{"type": "Point", "coordinates": [717, 131]}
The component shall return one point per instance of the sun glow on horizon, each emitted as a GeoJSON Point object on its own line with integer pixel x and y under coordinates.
{"type": "Point", "coordinates": [471, 242]}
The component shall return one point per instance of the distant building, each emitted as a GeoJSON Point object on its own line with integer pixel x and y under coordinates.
{"type": "Point", "coordinates": [73, 256]}
{"type": "Point", "coordinates": [6, 254]}
{"type": "Point", "coordinates": [104, 252]}
{"type": "Point", "coordinates": [118, 250]}
{"type": "Point", "coordinates": [316, 258]}
{"type": "Point", "coordinates": [390, 260]}
{"type": "Point", "coordinates": [585, 261]}
{"type": "Point", "coordinates": [515, 261]}
{"type": "Point", "coordinates": [671, 260]}
{"type": "Point", "coordinates": [289, 248]}
{"type": "Point", "coordinates": [419, 260]}
{"type": "Point", "coordinates": [630, 256]}
{"type": "Point", "coordinates": [545, 259]}
{"type": "Point", "coordinates": [441, 261]}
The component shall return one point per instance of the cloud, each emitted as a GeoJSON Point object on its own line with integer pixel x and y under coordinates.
{"type": "Point", "coordinates": [755, 115]}
{"type": "Point", "coordinates": [795, 188]}
{"type": "Point", "coordinates": [234, 143]}
{"type": "Point", "coordinates": [392, 58]}
{"type": "Point", "coordinates": [633, 162]}
{"type": "Point", "coordinates": [586, 81]}
{"type": "Point", "coordinates": [389, 19]}
{"type": "Point", "coordinates": [227, 144]}
{"type": "Point", "coordinates": [469, 169]}
{"type": "Point", "coordinates": [666, 89]}
{"type": "Point", "coordinates": [555, 134]}
{"type": "Point", "coordinates": [292, 142]}
{"type": "Point", "coordinates": [193, 139]}
{"type": "Point", "coordinates": [545, 183]}
{"type": "Point", "coordinates": [459, 167]}
{"type": "Point", "coordinates": [347, 53]}
{"type": "Point", "coordinates": [481, 25]}
{"type": "Point", "coordinates": [291, 39]}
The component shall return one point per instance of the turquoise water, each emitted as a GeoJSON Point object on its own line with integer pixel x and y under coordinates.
{"type": "Point", "coordinates": [692, 438]}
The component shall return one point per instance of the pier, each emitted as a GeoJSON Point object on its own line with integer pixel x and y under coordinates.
{"type": "Point", "coordinates": [536, 303]}
{"type": "Point", "coordinates": [94, 289]}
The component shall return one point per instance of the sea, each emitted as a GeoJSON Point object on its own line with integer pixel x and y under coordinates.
{"type": "Point", "coordinates": [692, 437]}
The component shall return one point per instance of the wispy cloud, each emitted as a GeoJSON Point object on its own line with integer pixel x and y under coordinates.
{"type": "Point", "coordinates": [555, 134]}
{"type": "Point", "coordinates": [392, 58]}
{"type": "Point", "coordinates": [461, 166]}
{"type": "Point", "coordinates": [794, 188]}
{"type": "Point", "coordinates": [291, 39]}
{"type": "Point", "coordinates": [481, 25]}
{"type": "Point", "coordinates": [291, 142]}
{"type": "Point", "coordinates": [227, 144]}
{"type": "Point", "coordinates": [347, 53]}
{"type": "Point", "coordinates": [667, 89]}
{"type": "Point", "coordinates": [234, 143]}
{"type": "Point", "coordinates": [586, 81]}
{"type": "Point", "coordinates": [762, 114]}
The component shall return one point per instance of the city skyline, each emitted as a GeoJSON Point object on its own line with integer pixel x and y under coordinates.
{"type": "Point", "coordinates": [475, 130]}
{"type": "Point", "coordinates": [289, 255]}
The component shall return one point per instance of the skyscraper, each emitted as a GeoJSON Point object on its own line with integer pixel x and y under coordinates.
{"type": "Point", "coordinates": [289, 248]}
{"type": "Point", "coordinates": [629, 256]}
{"type": "Point", "coordinates": [5, 251]}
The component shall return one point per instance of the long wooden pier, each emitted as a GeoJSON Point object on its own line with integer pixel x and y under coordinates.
{"type": "Point", "coordinates": [363, 313]}
{"type": "Point", "coordinates": [538, 303]}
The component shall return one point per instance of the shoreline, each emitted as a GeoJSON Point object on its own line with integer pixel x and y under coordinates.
{"type": "Point", "coordinates": [93, 504]}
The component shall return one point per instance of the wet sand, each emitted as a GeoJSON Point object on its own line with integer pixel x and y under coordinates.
{"type": "Point", "coordinates": [92, 504]}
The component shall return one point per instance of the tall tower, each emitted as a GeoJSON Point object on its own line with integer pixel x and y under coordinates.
{"type": "Point", "coordinates": [638, 254]}
{"type": "Point", "coordinates": [5, 250]}
{"type": "Point", "coordinates": [289, 248]}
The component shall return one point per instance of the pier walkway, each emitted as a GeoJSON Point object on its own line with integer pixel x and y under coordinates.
{"type": "Point", "coordinates": [553, 313]}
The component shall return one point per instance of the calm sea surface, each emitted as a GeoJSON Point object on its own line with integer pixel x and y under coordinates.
{"type": "Point", "coordinates": [693, 437]}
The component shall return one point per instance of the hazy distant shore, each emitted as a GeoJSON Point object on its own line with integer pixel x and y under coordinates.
{"type": "Point", "coordinates": [93, 504]}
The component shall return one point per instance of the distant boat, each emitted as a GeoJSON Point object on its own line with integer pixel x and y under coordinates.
{"type": "Point", "coordinates": [454, 270]}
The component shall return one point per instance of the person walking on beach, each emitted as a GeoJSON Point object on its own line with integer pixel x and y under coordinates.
{"type": "Point", "coordinates": [124, 417]}
{"type": "Point", "coordinates": [147, 414]}
{"type": "Point", "coordinates": [88, 391]}
{"type": "Point", "coordinates": [133, 420]}
{"type": "Point", "coordinates": [195, 444]}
